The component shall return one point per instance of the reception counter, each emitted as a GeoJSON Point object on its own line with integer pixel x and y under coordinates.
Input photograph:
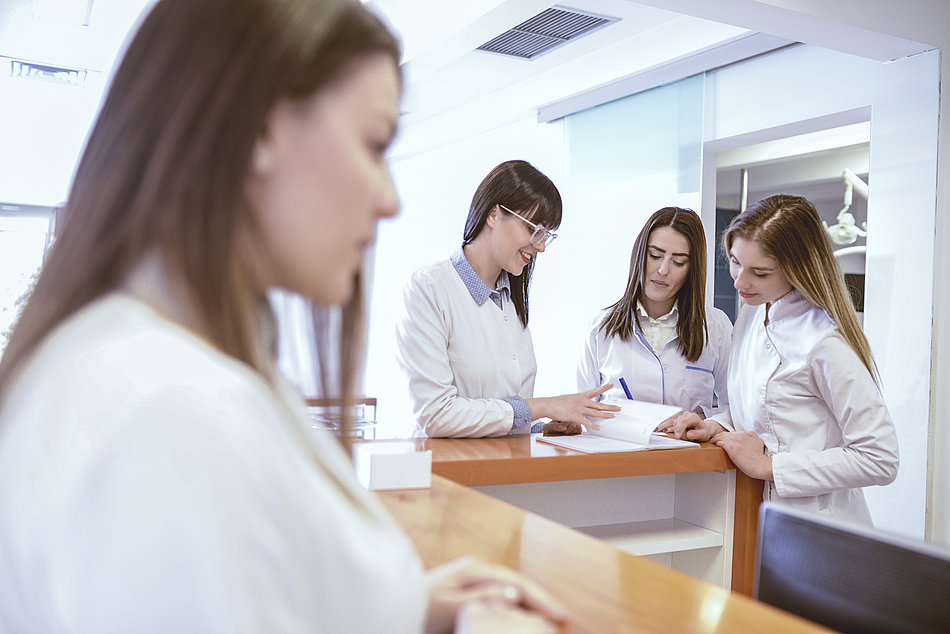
{"type": "Point", "coordinates": [690, 509]}
{"type": "Point", "coordinates": [602, 589]}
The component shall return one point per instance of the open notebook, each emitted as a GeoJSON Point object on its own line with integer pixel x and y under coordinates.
{"type": "Point", "coordinates": [630, 430]}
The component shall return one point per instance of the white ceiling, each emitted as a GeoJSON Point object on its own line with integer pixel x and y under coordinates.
{"type": "Point", "coordinates": [29, 31]}
{"type": "Point", "coordinates": [444, 71]}
{"type": "Point", "coordinates": [446, 79]}
{"type": "Point", "coordinates": [445, 76]}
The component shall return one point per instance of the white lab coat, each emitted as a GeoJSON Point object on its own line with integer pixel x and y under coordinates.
{"type": "Point", "coordinates": [150, 483]}
{"type": "Point", "coordinates": [461, 359]}
{"type": "Point", "coordinates": [800, 387]}
{"type": "Point", "coordinates": [666, 377]}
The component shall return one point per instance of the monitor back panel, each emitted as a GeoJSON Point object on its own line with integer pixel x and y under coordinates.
{"type": "Point", "coordinates": [850, 578]}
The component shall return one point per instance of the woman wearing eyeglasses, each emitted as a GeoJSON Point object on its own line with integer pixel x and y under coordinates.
{"type": "Point", "coordinates": [659, 337]}
{"type": "Point", "coordinates": [463, 337]}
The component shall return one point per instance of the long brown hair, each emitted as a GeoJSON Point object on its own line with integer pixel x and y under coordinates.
{"type": "Point", "coordinates": [691, 329]}
{"type": "Point", "coordinates": [516, 185]}
{"type": "Point", "coordinates": [165, 165]}
{"type": "Point", "coordinates": [789, 229]}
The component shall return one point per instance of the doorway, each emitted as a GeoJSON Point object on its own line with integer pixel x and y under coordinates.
{"type": "Point", "coordinates": [828, 167]}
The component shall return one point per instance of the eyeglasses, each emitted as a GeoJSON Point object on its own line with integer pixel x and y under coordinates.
{"type": "Point", "coordinates": [540, 236]}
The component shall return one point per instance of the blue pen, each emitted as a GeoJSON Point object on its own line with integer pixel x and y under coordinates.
{"type": "Point", "coordinates": [626, 390]}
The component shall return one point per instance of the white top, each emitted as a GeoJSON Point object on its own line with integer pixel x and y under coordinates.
{"type": "Point", "coordinates": [461, 358]}
{"type": "Point", "coordinates": [800, 387]}
{"type": "Point", "coordinates": [150, 483]}
{"type": "Point", "coordinates": [658, 332]}
{"type": "Point", "coordinates": [659, 377]}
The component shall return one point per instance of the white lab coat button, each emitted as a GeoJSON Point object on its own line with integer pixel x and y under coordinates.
{"type": "Point", "coordinates": [666, 368]}
{"type": "Point", "coordinates": [514, 357]}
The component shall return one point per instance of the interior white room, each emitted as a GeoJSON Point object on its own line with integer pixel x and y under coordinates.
{"type": "Point", "coordinates": [665, 105]}
{"type": "Point", "coordinates": [882, 98]}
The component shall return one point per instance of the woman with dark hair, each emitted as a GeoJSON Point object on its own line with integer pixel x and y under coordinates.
{"type": "Point", "coordinates": [157, 474]}
{"type": "Point", "coordinates": [463, 337]}
{"type": "Point", "coordinates": [808, 415]}
{"type": "Point", "coordinates": [659, 337]}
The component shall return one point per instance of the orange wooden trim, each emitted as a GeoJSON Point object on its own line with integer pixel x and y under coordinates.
{"type": "Point", "coordinates": [578, 467]}
{"type": "Point", "coordinates": [745, 532]}
{"type": "Point", "coordinates": [520, 459]}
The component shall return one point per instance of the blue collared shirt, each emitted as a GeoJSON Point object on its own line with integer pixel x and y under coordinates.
{"type": "Point", "coordinates": [502, 293]}
{"type": "Point", "coordinates": [476, 286]}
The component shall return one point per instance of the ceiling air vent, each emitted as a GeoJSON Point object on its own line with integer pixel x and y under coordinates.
{"type": "Point", "coordinates": [546, 31]}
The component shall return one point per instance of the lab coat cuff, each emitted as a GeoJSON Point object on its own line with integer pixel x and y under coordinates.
{"type": "Point", "coordinates": [724, 419]}
{"type": "Point", "coordinates": [778, 475]}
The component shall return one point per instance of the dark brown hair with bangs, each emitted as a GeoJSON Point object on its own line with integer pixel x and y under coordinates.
{"type": "Point", "coordinates": [516, 185]}
{"type": "Point", "coordinates": [691, 328]}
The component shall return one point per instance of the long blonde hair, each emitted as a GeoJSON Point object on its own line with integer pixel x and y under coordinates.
{"type": "Point", "coordinates": [789, 229]}
{"type": "Point", "coordinates": [165, 165]}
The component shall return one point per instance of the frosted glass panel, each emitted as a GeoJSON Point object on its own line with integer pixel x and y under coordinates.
{"type": "Point", "coordinates": [626, 159]}
{"type": "Point", "coordinates": [642, 146]}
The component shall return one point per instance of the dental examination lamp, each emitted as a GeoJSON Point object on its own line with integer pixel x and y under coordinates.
{"type": "Point", "coordinates": [847, 230]}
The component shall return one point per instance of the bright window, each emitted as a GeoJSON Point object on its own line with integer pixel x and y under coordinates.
{"type": "Point", "coordinates": [24, 235]}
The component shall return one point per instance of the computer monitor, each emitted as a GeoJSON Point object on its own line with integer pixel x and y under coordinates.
{"type": "Point", "coordinates": [850, 578]}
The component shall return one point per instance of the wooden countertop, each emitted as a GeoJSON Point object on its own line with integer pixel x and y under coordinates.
{"type": "Point", "coordinates": [518, 459]}
{"type": "Point", "coordinates": [602, 588]}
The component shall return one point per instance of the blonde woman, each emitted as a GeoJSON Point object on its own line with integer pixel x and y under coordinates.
{"type": "Point", "coordinates": [807, 412]}
{"type": "Point", "coordinates": [156, 472]}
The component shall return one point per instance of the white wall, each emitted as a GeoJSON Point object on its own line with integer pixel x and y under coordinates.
{"type": "Point", "coordinates": [939, 490]}
{"type": "Point", "coordinates": [43, 127]}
